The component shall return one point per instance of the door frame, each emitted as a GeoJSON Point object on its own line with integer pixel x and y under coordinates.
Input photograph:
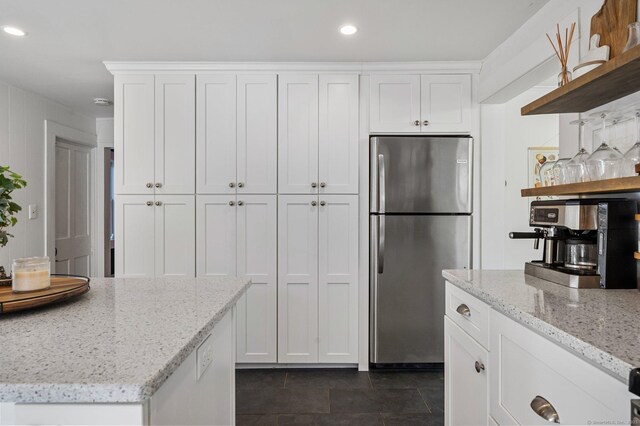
{"type": "Point", "coordinates": [52, 132]}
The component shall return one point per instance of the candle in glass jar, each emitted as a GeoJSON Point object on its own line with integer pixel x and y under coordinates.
{"type": "Point", "coordinates": [31, 274]}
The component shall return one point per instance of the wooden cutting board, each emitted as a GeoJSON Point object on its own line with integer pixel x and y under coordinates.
{"type": "Point", "coordinates": [62, 287]}
{"type": "Point", "coordinates": [611, 22]}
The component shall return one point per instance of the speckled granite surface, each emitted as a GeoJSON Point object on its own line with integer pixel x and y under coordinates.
{"type": "Point", "coordinates": [117, 343]}
{"type": "Point", "coordinates": [601, 325]}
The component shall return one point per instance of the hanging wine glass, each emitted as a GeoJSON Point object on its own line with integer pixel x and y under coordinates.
{"type": "Point", "coordinates": [632, 156]}
{"type": "Point", "coordinates": [613, 132]}
{"type": "Point", "coordinates": [605, 161]}
{"type": "Point", "coordinates": [577, 166]}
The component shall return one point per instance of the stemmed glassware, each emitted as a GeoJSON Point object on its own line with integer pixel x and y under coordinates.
{"type": "Point", "coordinates": [605, 161]}
{"type": "Point", "coordinates": [632, 156]}
{"type": "Point", "coordinates": [576, 168]}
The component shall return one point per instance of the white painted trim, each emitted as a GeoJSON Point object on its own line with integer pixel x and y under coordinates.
{"type": "Point", "coordinates": [274, 366]}
{"type": "Point", "coordinates": [117, 67]}
{"type": "Point", "coordinates": [52, 131]}
{"type": "Point", "coordinates": [363, 223]}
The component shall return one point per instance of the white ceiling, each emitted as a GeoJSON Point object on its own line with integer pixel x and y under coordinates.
{"type": "Point", "coordinates": [61, 58]}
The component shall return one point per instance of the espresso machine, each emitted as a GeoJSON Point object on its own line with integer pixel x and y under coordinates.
{"type": "Point", "coordinates": [587, 243]}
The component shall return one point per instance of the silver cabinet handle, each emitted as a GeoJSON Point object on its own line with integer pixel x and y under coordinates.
{"type": "Point", "coordinates": [158, 185]}
{"type": "Point", "coordinates": [382, 199]}
{"type": "Point", "coordinates": [240, 185]}
{"type": "Point", "coordinates": [323, 184]}
{"type": "Point", "coordinates": [149, 185]}
{"type": "Point", "coordinates": [232, 185]}
{"type": "Point", "coordinates": [425, 123]}
{"type": "Point", "coordinates": [416, 123]}
{"type": "Point", "coordinates": [231, 203]}
{"type": "Point", "coordinates": [479, 366]}
{"type": "Point", "coordinates": [544, 409]}
{"type": "Point", "coordinates": [463, 310]}
{"type": "Point", "coordinates": [241, 203]}
{"type": "Point", "coordinates": [381, 236]}
{"type": "Point", "coordinates": [322, 203]}
{"type": "Point", "coordinates": [314, 185]}
{"type": "Point", "coordinates": [158, 203]}
{"type": "Point", "coordinates": [149, 203]}
{"type": "Point", "coordinates": [313, 203]}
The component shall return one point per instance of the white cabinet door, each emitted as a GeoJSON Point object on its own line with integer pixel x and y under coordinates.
{"type": "Point", "coordinates": [175, 134]}
{"type": "Point", "coordinates": [466, 384]}
{"type": "Point", "coordinates": [216, 240]}
{"type": "Point", "coordinates": [216, 134]}
{"type": "Point", "coordinates": [446, 103]}
{"type": "Point", "coordinates": [135, 236]}
{"type": "Point", "coordinates": [134, 134]}
{"type": "Point", "coordinates": [394, 103]}
{"type": "Point", "coordinates": [338, 278]}
{"type": "Point", "coordinates": [298, 134]}
{"type": "Point", "coordinates": [175, 235]}
{"type": "Point", "coordinates": [338, 134]}
{"type": "Point", "coordinates": [257, 259]}
{"type": "Point", "coordinates": [257, 171]}
{"type": "Point", "coordinates": [297, 279]}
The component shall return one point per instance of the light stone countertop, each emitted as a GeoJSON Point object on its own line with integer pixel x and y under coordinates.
{"type": "Point", "coordinates": [117, 343]}
{"type": "Point", "coordinates": [602, 326]}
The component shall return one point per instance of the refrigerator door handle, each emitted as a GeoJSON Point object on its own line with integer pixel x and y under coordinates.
{"type": "Point", "coordinates": [381, 232]}
{"type": "Point", "coordinates": [381, 189]}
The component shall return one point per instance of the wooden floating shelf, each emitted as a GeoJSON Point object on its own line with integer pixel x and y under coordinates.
{"type": "Point", "coordinates": [608, 186]}
{"type": "Point", "coordinates": [612, 80]}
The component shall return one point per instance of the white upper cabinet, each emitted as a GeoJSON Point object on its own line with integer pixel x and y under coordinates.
{"type": "Point", "coordinates": [338, 134]}
{"type": "Point", "coordinates": [394, 103]}
{"type": "Point", "coordinates": [216, 134]}
{"type": "Point", "coordinates": [134, 134]}
{"type": "Point", "coordinates": [338, 278]}
{"type": "Point", "coordinates": [135, 235]}
{"type": "Point", "coordinates": [298, 134]}
{"type": "Point", "coordinates": [427, 103]}
{"type": "Point", "coordinates": [446, 103]}
{"type": "Point", "coordinates": [175, 235]}
{"type": "Point", "coordinates": [257, 135]}
{"type": "Point", "coordinates": [216, 242]}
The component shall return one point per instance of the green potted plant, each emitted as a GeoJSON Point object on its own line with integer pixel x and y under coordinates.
{"type": "Point", "coordinates": [9, 182]}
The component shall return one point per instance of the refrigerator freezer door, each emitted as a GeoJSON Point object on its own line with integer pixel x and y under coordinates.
{"type": "Point", "coordinates": [407, 298]}
{"type": "Point", "coordinates": [419, 174]}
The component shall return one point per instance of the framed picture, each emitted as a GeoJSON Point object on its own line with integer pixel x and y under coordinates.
{"type": "Point", "coordinates": [537, 157]}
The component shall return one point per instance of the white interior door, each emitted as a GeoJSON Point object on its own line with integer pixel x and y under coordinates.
{"type": "Point", "coordinates": [297, 279]}
{"type": "Point", "coordinates": [257, 134]}
{"type": "Point", "coordinates": [338, 134]}
{"type": "Point", "coordinates": [216, 240]}
{"type": "Point", "coordinates": [446, 103]}
{"type": "Point", "coordinates": [298, 134]}
{"type": "Point", "coordinates": [175, 134]}
{"type": "Point", "coordinates": [73, 209]}
{"type": "Point", "coordinates": [257, 259]}
{"type": "Point", "coordinates": [338, 278]}
{"type": "Point", "coordinates": [216, 134]}
{"type": "Point", "coordinates": [175, 243]}
{"type": "Point", "coordinates": [135, 235]}
{"type": "Point", "coordinates": [395, 103]}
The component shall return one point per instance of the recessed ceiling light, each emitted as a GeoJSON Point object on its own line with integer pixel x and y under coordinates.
{"type": "Point", "coordinates": [14, 31]}
{"type": "Point", "coordinates": [102, 101]}
{"type": "Point", "coordinates": [348, 29]}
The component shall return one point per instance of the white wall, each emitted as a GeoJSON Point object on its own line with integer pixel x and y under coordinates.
{"type": "Point", "coordinates": [22, 146]}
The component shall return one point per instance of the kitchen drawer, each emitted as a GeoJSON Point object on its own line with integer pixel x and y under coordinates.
{"type": "Point", "coordinates": [524, 366]}
{"type": "Point", "coordinates": [468, 313]}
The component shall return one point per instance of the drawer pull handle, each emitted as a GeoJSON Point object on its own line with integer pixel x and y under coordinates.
{"type": "Point", "coordinates": [463, 310]}
{"type": "Point", "coordinates": [479, 367]}
{"type": "Point", "coordinates": [544, 409]}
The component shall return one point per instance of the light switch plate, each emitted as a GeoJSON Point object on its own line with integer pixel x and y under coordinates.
{"type": "Point", "coordinates": [204, 356]}
{"type": "Point", "coordinates": [33, 211]}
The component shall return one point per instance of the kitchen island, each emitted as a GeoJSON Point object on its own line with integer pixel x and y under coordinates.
{"type": "Point", "coordinates": [538, 351]}
{"type": "Point", "coordinates": [129, 351]}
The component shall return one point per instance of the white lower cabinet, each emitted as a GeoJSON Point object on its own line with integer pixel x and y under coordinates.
{"type": "Point", "coordinates": [155, 235]}
{"type": "Point", "coordinates": [238, 237]}
{"type": "Point", "coordinates": [317, 278]}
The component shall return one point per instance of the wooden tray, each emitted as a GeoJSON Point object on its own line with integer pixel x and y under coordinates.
{"type": "Point", "coordinates": [62, 287]}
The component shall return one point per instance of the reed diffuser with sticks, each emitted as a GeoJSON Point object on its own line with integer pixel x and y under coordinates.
{"type": "Point", "coordinates": [562, 52]}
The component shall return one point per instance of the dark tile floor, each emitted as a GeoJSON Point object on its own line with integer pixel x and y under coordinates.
{"type": "Point", "coordinates": [339, 397]}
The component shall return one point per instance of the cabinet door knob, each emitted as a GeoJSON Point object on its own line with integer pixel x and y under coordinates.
{"type": "Point", "coordinates": [322, 203]}
{"type": "Point", "coordinates": [158, 203]}
{"type": "Point", "coordinates": [314, 185]}
{"type": "Point", "coordinates": [241, 203]}
{"type": "Point", "coordinates": [416, 123]}
{"type": "Point", "coordinates": [158, 185]}
{"type": "Point", "coordinates": [149, 203]}
{"type": "Point", "coordinates": [544, 409]}
{"type": "Point", "coordinates": [479, 366]}
{"type": "Point", "coordinates": [425, 123]}
{"type": "Point", "coordinates": [463, 310]}
{"type": "Point", "coordinates": [313, 203]}
{"type": "Point", "coordinates": [323, 184]}
{"type": "Point", "coordinates": [231, 203]}
{"type": "Point", "coordinates": [240, 185]}
{"type": "Point", "coordinates": [232, 185]}
{"type": "Point", "coordinates": [149, 185]}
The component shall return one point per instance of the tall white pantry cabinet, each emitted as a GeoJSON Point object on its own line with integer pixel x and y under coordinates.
{"type": "Point", "coordinates": [247, 174]}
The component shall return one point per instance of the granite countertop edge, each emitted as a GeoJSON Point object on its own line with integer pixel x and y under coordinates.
{"type": "Point", "coordinates": [601, 359]}
{"type": "Point", "coordinates": [110, 392]}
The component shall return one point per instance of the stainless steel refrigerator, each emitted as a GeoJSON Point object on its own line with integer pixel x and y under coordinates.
{"type": "Point", "coordinates": [420, 223]}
